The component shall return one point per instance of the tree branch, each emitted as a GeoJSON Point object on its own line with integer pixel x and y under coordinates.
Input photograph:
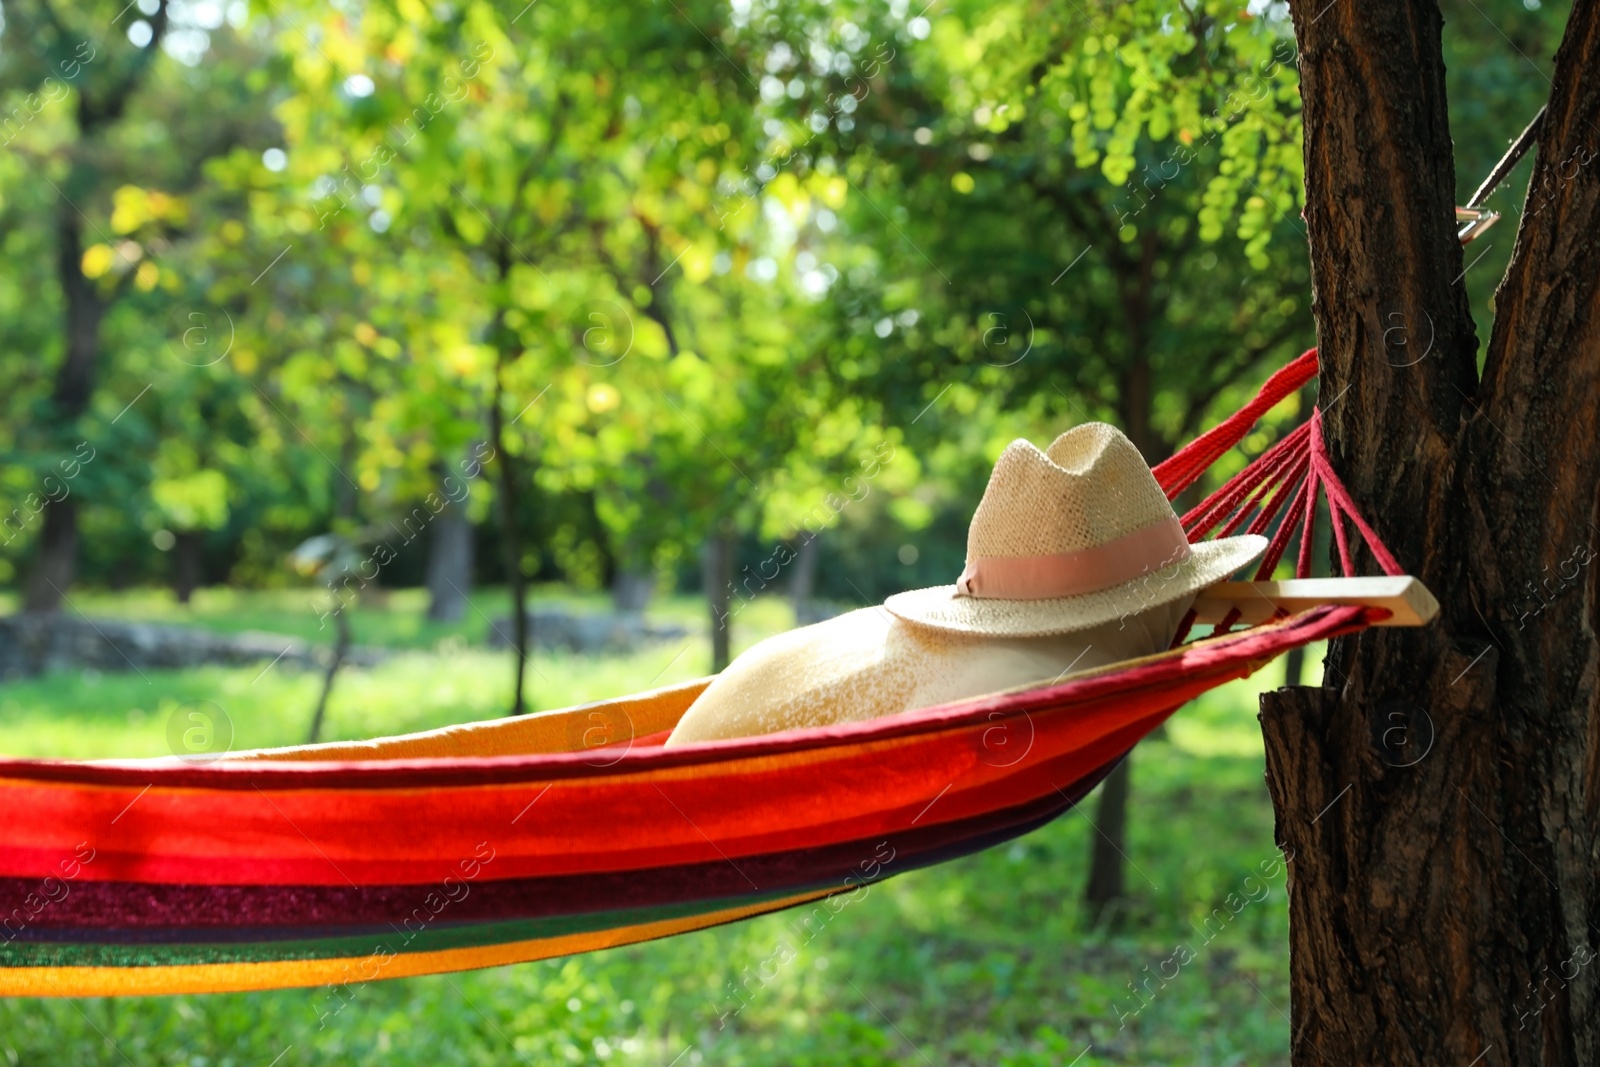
{"type": "Point", "coordinates": [91, 115]}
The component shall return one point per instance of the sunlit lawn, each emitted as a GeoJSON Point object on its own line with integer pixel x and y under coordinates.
{"type": "Point", "coordinates": [984, 960]}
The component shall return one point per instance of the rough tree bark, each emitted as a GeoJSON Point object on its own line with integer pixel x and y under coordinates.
{"type": "Point", "coordinates": [1439, 793]}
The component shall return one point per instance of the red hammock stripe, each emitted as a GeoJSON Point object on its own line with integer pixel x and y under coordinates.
{"type": "Point", "coordinates": [345, 823]}
{"type": "Point", "coordinates": [634, 819]}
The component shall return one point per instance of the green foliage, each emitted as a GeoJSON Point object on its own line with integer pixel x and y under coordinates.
{"type": "Point", "coordinates": [659, 240]}
{"type": "Point", "coordinates": [710, 260]}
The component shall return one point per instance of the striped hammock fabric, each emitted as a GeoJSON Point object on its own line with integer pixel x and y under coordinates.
{"type": "Point", "coordinates": [557, 833]}
{"type": "Point", "coordinates": [509, 841]}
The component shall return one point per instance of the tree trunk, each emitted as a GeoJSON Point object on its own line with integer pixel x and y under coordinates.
{"type": "Point", "coordinates": [803, 579]}
{"type": "Point", "coordinates": [1105, 893]}
{"type": "Point", "coordinates": [511, 535]}
{"type": "Point", "coordinates": [84, 310]}
{"type": "Point", "coordinates": [631, 590]}
{"type": "Point", "coordinates": [186, 568]}
{"type": "Point", "coordinates": [1294, 666]}
{"type": "Point", "coordinates": [449, 563]}
{"type": "Point", "coordinates": [1439, 793]}
{"type": "Point", "coordinates": [55, 562]}
{"type": "Point", "coordinates": [1105, 890]}
{"type": "Point", "coordinates": [718, 570]}
{"type": "Point", "coordinates": [1294, 662]}
{"type": "Point", "coordinates": [341, 648]}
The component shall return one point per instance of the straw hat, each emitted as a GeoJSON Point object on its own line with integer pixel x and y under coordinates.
{"type": "Point", "coordinates": [1072, 538]}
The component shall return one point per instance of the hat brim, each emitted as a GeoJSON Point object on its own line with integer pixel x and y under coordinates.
{"type": "Point", "coordinates": [1209, 562]}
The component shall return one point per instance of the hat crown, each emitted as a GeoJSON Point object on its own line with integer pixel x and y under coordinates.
{"type": "Point", "coordinates": [1089, 488]}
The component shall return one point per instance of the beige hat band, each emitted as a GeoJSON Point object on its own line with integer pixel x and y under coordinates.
{"type": "Point", "coordinates": [1085, 570]}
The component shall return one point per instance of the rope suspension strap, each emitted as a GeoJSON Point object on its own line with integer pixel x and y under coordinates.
{"type": "Point", "coordinates": [1340, 505]}
{"type": "Point", "coordinates": [1184, 467]}
{"type": "Point", "coordinates": [1277, 494]}
{"type": "Point", "coordinates": [1475, 215]}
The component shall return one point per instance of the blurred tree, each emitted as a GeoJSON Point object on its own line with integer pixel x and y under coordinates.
{"type": "Point", "coordinates": [522, 154]}
{"type": "Point", "coordinates": [99, 117]}
{"type": "Point", "coordinates": [334, 561]}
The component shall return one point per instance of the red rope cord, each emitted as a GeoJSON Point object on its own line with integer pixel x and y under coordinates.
{"type": "Point", "coordinates": [1284, 470]}
{"type": "Point", "coordinates": [1280, 540]}
{"type": "Point", "coordinates": [1227, 622]}
{"type": "Point", "coordinates": [1268, 483]}
{"type": "Point", "coordinates": [1340, 504]}
{"type": "Point", "coordinates": [1217, 507]}
{"type": "Point", "coordinates": [1308, 501]}
{"type": "Point", "coordinates": [1180, 471]}
{"type": "Point", "coordinates": [1250, 508]}
{"type": "Point", "coordinates": [1214, 508]}
{"type": "Point", "coordinates": [1286, 485]}
{"type": "Point", "coordinates": [1346, 566]}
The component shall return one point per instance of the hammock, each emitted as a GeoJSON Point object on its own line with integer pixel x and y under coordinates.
{"type": "Point", "coordinates": [563, 832]}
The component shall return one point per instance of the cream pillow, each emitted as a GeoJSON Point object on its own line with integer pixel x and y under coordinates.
{"type": "Point", "coordinates": [869, 663]}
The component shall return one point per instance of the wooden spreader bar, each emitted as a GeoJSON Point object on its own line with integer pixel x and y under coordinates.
{"type": "Point", "coordinates": [1409, 600]}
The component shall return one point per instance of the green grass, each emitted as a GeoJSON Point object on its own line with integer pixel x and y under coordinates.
{"type": "Point", "coordinates": [984, 960]}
